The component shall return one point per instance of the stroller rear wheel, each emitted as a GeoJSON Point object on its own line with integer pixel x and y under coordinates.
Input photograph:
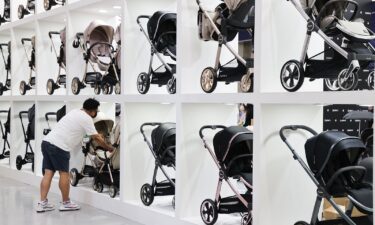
{"type": "Point", "coordinates": [332, 84]}
{"type": "Point", "coordinates": [370, 80]}
{"type": "Point", "coordinates": [292, 75]}
{"type": "Point", "coordinates": [171, 86]}
{"type": "Point", "coordinates": [143, 83]}
{"type": "Point", "coordinates": [23, 87]}
{"type": "Point", "coordinates": [209, 212]}
{"type": "Point", "coordinates": [97, 89]}
{"type": "Point", "coordinates": [48, 4]}
{"type": "Point", "coordinates": [73, 175]}
{"type": "Point", "coordinates": [113, 191]}
{"type": "Point", "coordinates": [147, 194]}
{"type": "Point", "coordinates": [301, 223]}
{"type": "Point", "coordinates": [347, 81]}
{"type": "Point", "coordinates": [76, 85]}
{"type": "Point", "coordinates": [19, 162]}
{"type": "Point", "coordinates": [246, 219]}
{"type": "Point", "coordinates": [51, 86]}
{"type": "Point", "coordinates": [21, 11]}
{"type": "Point", "coordinates": [107, 89]}
{"type": "Point", "coordinates": [98, 185]}
{"type": "Point", "coordinates": [208, 80]}
{"type": "Point", "coordinates": [118, 88]}
{"type": "Point", "coordinates": [246, 83]}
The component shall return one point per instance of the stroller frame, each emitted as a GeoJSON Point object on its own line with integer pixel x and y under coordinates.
{"type": "Point", "coordinates": [152, 77]}
{"type": "Point", "coordinates": [148, 192]}
{"type": "Point", "coordinates": [210, 76]}
{"type": "Point", "coordinates": [26, 10]}
{"type": "Point", "coordinates": [347, 79]}
{"type": "Point", "coordinates": [49, 3]}
{"type": "Point", "coordinates": [47, 117]}
{"type": "Point", "coordinates": [5, 153]}
{"type": "Point", "coordinates": [52, 85]}
{"type": "Point", "coordinates": [5, 18]}
{"type": "Point", "coordinates": [215, 205]}
{"type": "Point", "coordinates": [25, 86]}
{"type": "Point", "coordinates": [5, 86]}
{"type": "Point", "coordinates": [322, 193]}
{"type": "Point", "coordinates": [94, 79]}
{"type": "Point", "coordinates": [29, 153]}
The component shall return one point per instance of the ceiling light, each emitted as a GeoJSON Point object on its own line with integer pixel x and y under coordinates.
{"type": "Point", "coordinates": [103, 11]}
{"type": "Point", "coordinates": [117, 7]}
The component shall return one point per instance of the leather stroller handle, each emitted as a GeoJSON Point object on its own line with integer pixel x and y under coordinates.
{"type": "Point", "coordinates": [294, 128]}
{"type": "Point", "coordinates": [149, 124]}
{"type": "Point", "coordinates": [142, 17]}
{"type": "Point", "coordinates": [212, 127]}
{"type": "Point", "coordinates": [53, 33]}
{"type": "Point", "coordinates": [22, 113]}
{"type": "Point", "coordinates": [47, 115]}
{"type": "Point", "coordinates": [3, 111]}
{"type": "Point", "coordinates": [23, 40]}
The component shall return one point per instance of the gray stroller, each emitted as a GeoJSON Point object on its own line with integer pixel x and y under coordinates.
{"type": "Point", "coordinates": [30, 84]}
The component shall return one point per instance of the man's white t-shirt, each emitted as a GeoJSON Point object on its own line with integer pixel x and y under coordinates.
{"type": "Point", "coordinates": [71, 129]}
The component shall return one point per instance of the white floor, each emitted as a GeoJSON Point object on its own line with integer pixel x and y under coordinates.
{"type": "Point", "coordinates": [17, 202]}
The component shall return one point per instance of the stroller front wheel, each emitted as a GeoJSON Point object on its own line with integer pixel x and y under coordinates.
{"type": "Point", "coordinates": [51, 86]}
{"type": "Point", "coordinates": [98, 186]}
{"type": "Point", "coordinates": [47, 4]}
{"type": "Point", "coordinates": [1, 89]}
{"type": "Point", "coordinates": [332, 84]}
{"type": "Point", "coordinates": [347, 81]}
{"type": "Point", "coordinates": [301, 223]}
{"type": "Point", "coordinates": [246, 219]}
{"type": "Point", "coordinates": [21, 11]}
{"type": "Point", "coordinates": [292, 75]}
{"type": "Point", "coordinates": [143, 83]}
{"type": "Point", "coordinates": [118, 88]}
{"type": "Point", "coordinates": [76, 86]}
{"type": "Point", "coordinates": [23, 87]}
{"type": "Point", "coordinates": [370, 80]}
{"type": "Point", "coordinates": [73, 175]}
{"type": "Point", "coordinates": [97, 89]}
{"type": "Point", "coordinates": [147, 194]}
{"type": "Point", "coordinates": [113, 191]}
{"type": "Point", "coordinates": [107, 89]}
{"type": "Point", "coordinates": [208, 80]}
{"type": "Point", "coordinates": [246, 83]}
{"type": "Point", "coordinates": [209, 212]}
{"type": "Point", "coordinates": [19, 162]}
{"type": "Point", "coordinates": [171, 86]}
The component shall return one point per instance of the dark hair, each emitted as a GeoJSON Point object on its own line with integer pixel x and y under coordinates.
{"type": "Point", "coordinates": [91, 104]}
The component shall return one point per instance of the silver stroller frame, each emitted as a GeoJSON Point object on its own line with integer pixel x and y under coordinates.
{"type": "Point", "coordinates": [25, 86]}
{"type": "Point", "coordinates": [208, 205]}
{"type": "Point", "coordinates": [5, 86]}
{"type": "Point", "coordinates": [61, 78]}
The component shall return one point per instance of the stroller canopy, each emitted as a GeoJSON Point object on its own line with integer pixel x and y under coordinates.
{"type": "Point", "coordinates": [60, 113]}
{"type": "Point", "coordinates": [103, 124]}
{"type": "Point", "coordinates": [30, 132]}
{"type": "Point", "coordinates": [331, 150]}
{"type": "Point", "coordinates": [163, 140]}
{"type": "Point", "coordinates": [232, 142]}
{"type": "Point", "coordinates": [161, 29]}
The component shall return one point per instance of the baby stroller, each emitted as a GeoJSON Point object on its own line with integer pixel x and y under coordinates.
{"type": "Point", "coordinates": [49, 3]}
{"type": "Point", "coordinates": [163, 148]}
{"type": "Point", "coordinates": [52, 85]}
{"type": "Point", "coordinates": [29, 135]}
{"type": "Point", "coordinates": [222, 26]}
{"type": "Point", "coordinates": [327, 19]}
{"type": "Point", "coordinates": [99, 164]}
{"type": "Point", "coordinates": [5, 130]}
{"type": "Point", "coordinates": [26, 10]}
{"type": "Point", "coordinates": [5, 18]}
{"type": "Point", "coordinates": [333, 165]}
{"type": "Point", "coordinates": [58, 114]}
{"type": "Point", "coordinates": [161, 34]}
{"type": "Point", "coordinates": [97, 48]}
{"type": "Point", "coordinates": [6, 85]}
{"type": "Point", "coordinates": [25, 86]}
{"type": "Point", "coordinates": [233, 154]}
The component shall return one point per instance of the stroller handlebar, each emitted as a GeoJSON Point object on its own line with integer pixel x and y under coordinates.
{"type": "Point", "coordinates": [47, 115]}
{"type": "Point", "coordinates": [53, 33]}
{"type": "Point", "coordinates": [149, 124]}
{"type": "Point", "coordinates": [4, 111]}
{"type": "Point", "coordinates": [142, 17]}
{"type": "Point", "coordinates": [23, 40]}
{"type": "Point", "coordinates": [22, 113]}
{"type": "Point", "coordinates": [294, 128]}
{"type": "Point", "coordinates": [212, 127]}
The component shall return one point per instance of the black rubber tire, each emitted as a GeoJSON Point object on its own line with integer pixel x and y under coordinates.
{"type": "Point", "coordinates": [213, 77]}
{"type": "Point", "coordinates": [209, 212]}
{"type": "Point", "coordinates": [21, 12]}
{"type": "Point", "coordinates": [47, 5]}
{"type": "Point", "coordinates": [147, 194]}
{"type": "Point", "coordinates": [1, 89]}
{"type": "Point", "coordinates": [144, 80]}
{"type": "Point", "coordinates": [23, 87]}
{"type": "Point", "coordinates": [52, 84]}
{"type": "Point", "coordinates": [76, 82]}
{"type": "Point", "coordinates": [97, 89]}
{"type": "Point", "coordinates": [73, 176]}
{"type": "Point", "coordinates": [171, 86]}
{"type": "Point", "coordinates": [301, 223]}
{"type": "Point", "coordinates": [113, 191]}
{"type": "Point", "coordinates": [301, 76]}
{"type": "Point", "coordinates": [251, 81]}
{"type": "Point", "coordinates": [107, 89]}
{"type": "Point", "coordinates": [99, 186]}
{"type": "Point", "coordinates": [19, 162]}
{"type": "Point", "coordinates": [353, 82]}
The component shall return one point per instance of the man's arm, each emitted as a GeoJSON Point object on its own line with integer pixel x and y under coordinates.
{"type": "Point", "coordinates": [102, 143]}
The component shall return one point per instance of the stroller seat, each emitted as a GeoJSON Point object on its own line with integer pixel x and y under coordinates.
{"type": "Point", "coordinates": [362, 199]}
{"type": "Point", "coordinates": [356, 30]}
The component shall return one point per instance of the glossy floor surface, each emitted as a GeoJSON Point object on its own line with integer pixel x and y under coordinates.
{"type": "Point", "coordinates": [17, 203]}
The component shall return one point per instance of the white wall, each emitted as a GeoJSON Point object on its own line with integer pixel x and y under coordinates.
{"type": "Point", "coordinates": [284, 190]}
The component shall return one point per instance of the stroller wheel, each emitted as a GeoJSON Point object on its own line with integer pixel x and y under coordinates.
{"type": "Point", "coordinates": [98, 186]}
{"type": "Point", "coordinates": [75, 44]}
{"type": "Point", "coordinates": [50, 86]}
{"type": "Point", "coordinates": [107, 89]}
{"type": "Point", "coordinates": [23, 87]}
{"type": "Point", "coordinates": [118, 88]}
{"type": "Point", "coordinates": [246, 219]}
{"type": "Point", "coordinates": [147, 194]}
{"type": "Point", "coordinates": [73, 175]}
{"type": "Point", "coordinates": [21, 11]}
{"type": "Point", "coordinates": [32, 166]}
{"type": "Point", "coordinates": [208, 80]}
{"type": "Point", "coordinates": [113, 191]}
{"type": "Point", "coordinates": [246, 82]}
{"type": "Point", "coordinates": [301, 223]}
{"type": "Point", "coordinates": [332, 84]}
{"type": "Point", "coordinates": [292, 75]}
{"type": "Point", "coordinates": [76, 86]}
{"type": "Point", "coordinates": [209, 212]}
{"type": "Point", "coordinates": [19, 162]}
{"type": "Point", "coordinates": [174, 202]}
{"type": "Point", "coordinates": [47, 5]}
{"type": "Point", "coordinates": [1, 89]}
{"type": "Point", "coordinates": [171, 86]}
{"type": "Point", "coordinates": [97, 89]}
{"type": "Point", "coordinates": [370, 80]}
{"type": "Point", "coordinates": [143, 83]}
{"type": "Point", "coordinates": [347, 81]}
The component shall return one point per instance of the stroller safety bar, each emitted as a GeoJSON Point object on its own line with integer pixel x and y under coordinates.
{"type": "Point", "coordinates": [294, 128]}
{"type": "Point", "coordinates": [53, 33]}
{"type": "Point", "coordinates": [101, 43]}
{"type": "Point", "coordinates": [49, 114]}
{"type": "Point", "coordinates": [142, 17]}
{"type": "Point", "coordinates": [323, 10]}
{"type": "Point", "coordinates": [212, 127]}
{"type": "Point", "coordinates": [346, 169]}
{"type": "Point", "coordinates": [23, 40]}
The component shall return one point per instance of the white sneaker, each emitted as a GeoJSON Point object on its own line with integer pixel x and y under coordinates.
{"type": "Point", "coordinates": [69, 206]}
{"type": "Point", "coordinates": [44, 206]}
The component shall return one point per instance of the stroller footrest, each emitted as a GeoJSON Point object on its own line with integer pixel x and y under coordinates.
{"type": "Point", "coordinates": [93, 77]}
{"type": "Point", "coordinates": [89, 171]}
{"type": "Point", "coordinates": [233, 204]}
{"type": "Point", "coordinates": [164, 188]}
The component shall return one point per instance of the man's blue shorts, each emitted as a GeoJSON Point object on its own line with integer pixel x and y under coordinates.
{"type": "Point", "coordinates": [54, 158]}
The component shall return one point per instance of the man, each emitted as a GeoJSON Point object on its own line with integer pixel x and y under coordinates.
{"type": "Point", "coordinates": [65, 137]}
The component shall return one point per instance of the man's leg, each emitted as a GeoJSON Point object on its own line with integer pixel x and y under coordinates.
{"type": "Point", "coordinates": [64, 185]}
{"type": "Point", "coordinates": [46, 184]}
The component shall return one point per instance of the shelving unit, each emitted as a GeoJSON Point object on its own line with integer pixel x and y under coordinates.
{"type": "Point", "coordinates": [196, 173]}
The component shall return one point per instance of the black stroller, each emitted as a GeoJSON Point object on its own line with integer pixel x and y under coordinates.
{"type": "Point", "coordinates": [48, 4]}
{"type": "Point", "coordinates": [29, 135]}
{"type": "Point", "coordinates": [163, 148]}
{"type": "Point", "coordinates": [6, 85]}
{"type": "Point", "coordinates": [52, 85]}
{"type": "Point", "coordinates": [333, 165]}
{"type": "Point", "coordinates": [97, 48]}
{"type": "Point", "coordinates": [233, 156]}
{"type": "Point", "coordinates": [161, 34]}
{"type": "Point", "coordinates": [26, 10]}
{"type": "Point", "coordinates": [25, 86]}
{"type": "Point", "coordinates": [5, 18]}
{"type": "Point", "coordinates": [222, 26]}
{"type": "Point", "coordinates": [5, 130]}
{"type": "Point", "coordinates": [327, 19]}
{"type": "Point", "coordinates": [58, 114]}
